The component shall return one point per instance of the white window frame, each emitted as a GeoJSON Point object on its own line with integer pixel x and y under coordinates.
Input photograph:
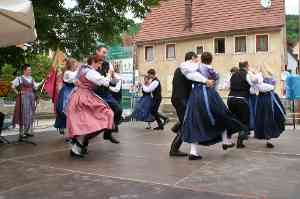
{"type": "Point", "coordinates": [149, 61]}
{"type": "Point", "coordinates": [214, 47]}
{"type": "Point", "coordinates": [234, 37]}
{"type": "Point", "coordinates": [172, 58]}
{"type": "Point", "coordinates": [268, 43]}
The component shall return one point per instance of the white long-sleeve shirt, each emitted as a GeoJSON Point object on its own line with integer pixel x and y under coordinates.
{"type": "Point", "coordinates": [117, 87]}
{"type": "Point", "coordinates": [151, 87]}
{"type": "Point", "coordinates": [18, 80]}
{"type": "Point", "coordinates": [263, 87]}
{"type": "Point", "coordinates": [95, 77]}
{"type": "Point", "coordinates": [70, 76]}
{"type": "Point", "coordinates": [189, 70]}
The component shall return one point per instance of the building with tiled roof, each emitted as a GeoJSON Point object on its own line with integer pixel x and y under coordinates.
{"type": "Point", "coordinates": [233, 30]}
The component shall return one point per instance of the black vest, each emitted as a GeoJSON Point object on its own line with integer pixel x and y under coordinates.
{"type": "Point", "coordinates": [102, 90]}
{"type": "Point", "coordinates": [239, 86]}
{"type": "Point", "coordinates": [157, 92]}
{"type": "Point", "coordinates": [181, 86]}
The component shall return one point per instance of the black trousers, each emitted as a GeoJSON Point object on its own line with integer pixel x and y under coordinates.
{"type": "Point", "coordinates": [180, 107]}
{"type": "Point", "coordinates": [240, 108]}
{"type": "Point", "coordinates": [116, 108]}
{"type": "Point", "coordinates": [1, 121]}
{"type": "Point", "coordinates": [158, 116]}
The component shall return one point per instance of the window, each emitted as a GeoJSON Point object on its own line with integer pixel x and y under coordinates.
{"type": "Point", "coordinates": [149, 53]}
{"type": "Point", "coordinates": [219, 45]}
{"type": "Point", "coordinates": [170, 51]}
{"type": "Point", "coordinates": [262, 43]}
{"type": "Point", "coordinates": [240, 44]}
{"type": "Point", "coordinates": [199, 50]}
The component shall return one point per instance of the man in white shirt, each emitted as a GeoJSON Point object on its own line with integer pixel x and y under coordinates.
{"type": "Point", "coordinates": [155, 89]}
{"type": "Point", "coordinates": [184, 76]}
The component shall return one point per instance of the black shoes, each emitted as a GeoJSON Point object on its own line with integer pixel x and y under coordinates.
{"type": "Point", "coordinates": [243, 135]}
{"type": "Point", "coordinates": [61, 131]}
{"type": "Point", "coordinates": [110, 137]}
{"type": "Point", "coordinates": [159, 128]}
{"type": "Point", "coordinates": [176, 127]}
{"type": "Point", "coordinates": [270, 145]}
{"type": "Point", "coordinates": [166, 121]}
{"type": "Point", "coordinates": [240, 144]}
{"type": "Point", "coordinates": [227, 146]}
{"type": "Point", "coordinates": [28, 135]}
{"type": "Point", "coordinates": [177, 154]}
{"type": "Point", "coordinates": [74, 155]}
{"type": "Point", "coordinates": [195, 157]}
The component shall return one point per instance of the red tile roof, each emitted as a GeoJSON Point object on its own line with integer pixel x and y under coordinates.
{"type": "Point", "coordinates": [209, 16]}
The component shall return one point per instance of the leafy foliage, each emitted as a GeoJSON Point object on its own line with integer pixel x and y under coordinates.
{"type": "Point", "coordinates": [7, 72]}
{"type": "Point", "coordinates": [77, 30]}
{"type": "Point", "coordinates": [292, 28]}
{"type": "Point", "coordinates": [40, 67]}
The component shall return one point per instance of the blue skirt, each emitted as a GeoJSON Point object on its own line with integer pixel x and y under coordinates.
{"type": "Point", "coordinates": [270, 116]}
{"type": "Point", "coordinates": [63, 96]}
{"type": "Point", "coordinates": [252, 109]}
{"type": "Point", "coordinates": [143, 108]}
{"type": "Point", "coordinates": [207, 117]}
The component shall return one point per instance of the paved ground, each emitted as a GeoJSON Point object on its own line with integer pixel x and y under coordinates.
{"type": "Point", "coordinates": [139, 168]}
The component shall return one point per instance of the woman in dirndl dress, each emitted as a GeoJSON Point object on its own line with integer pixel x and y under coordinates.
{"type": "Point", "coordinates": [142, 110]}
{"type": "Point", "coordinates": [87, 114]}
{"type": "Point", "coordinates": [270, 113]}
{"type": "Point", "coordinates": [25, 107]}
{"type": "Point", "coordinates": [207, 119]}
{"type": "Point", "coordinates": [69, 78]}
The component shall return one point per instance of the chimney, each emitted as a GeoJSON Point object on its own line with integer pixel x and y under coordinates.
{"type": "Point", "coordinates": [188, 15]}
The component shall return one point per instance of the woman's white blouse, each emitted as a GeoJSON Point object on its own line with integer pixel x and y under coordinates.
{"type": "Point", "coordinates": [18, 80]}
{"type": "Point", "coordinates": [70, 76]}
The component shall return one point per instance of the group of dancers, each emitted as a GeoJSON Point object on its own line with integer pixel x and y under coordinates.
{"type": "Point", "coordinates": [203, 117]}
{"type": "Point", "coordinates": [89, 103]}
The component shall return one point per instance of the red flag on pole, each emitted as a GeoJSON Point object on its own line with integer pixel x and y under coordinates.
{"type": "Point", "coordinates": [50, 84]}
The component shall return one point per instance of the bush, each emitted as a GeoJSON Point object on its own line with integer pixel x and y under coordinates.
{"type": "Point", "coordinates": [40, 65]}
{"type": "Point", "coordinates": [7, 72]}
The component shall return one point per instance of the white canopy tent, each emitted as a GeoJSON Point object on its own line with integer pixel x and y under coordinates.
{"type": "Point", "coordinates": [17, 24]}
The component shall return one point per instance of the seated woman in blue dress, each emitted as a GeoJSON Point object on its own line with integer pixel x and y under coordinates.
{"type": "Point", "coordinates": [270, 113]}
{"type": "Point", "coordinates": [142, 110]}
{"type": "Point", "coordinates": [207, 119]}
{"type": "Point", "coordinates": [69, 77]}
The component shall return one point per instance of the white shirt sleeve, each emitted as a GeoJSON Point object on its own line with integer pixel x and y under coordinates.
{"type": "Point", "coordinates": [16, 82]}
{"type": "Point", "coordinates": [252, 79]}
{"type": "Point", "coordinates": [96, 78]}
{"type": "Point", "coordinates": [36, 84]}
{"type": "Point", "coordinates": [263, 87]}
{"type": "Point", "coordinates": [117, 87]}
{"type": "Point", "coordinates": [111, 67]}
{"type": "Point", "coordinates": [151, 87]}
{"type": "Point", "coordinates": [70, 76]}
{"type": "Point", "coordinates": [189, 70]}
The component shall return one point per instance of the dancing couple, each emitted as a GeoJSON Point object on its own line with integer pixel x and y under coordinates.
{"type": "Point", "coordinates": [147, 108]}
{"type": "Point", "coordinates": [204, 119]}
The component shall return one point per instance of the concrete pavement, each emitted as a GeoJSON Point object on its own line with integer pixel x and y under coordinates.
{"type": "Point", "coordinates": [140, 167]}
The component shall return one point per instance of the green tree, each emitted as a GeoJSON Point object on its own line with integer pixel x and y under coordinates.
{"type": "Point", "coordinates": [292, 28]}
{"type": "Point", "coordinates": [77, 30]}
